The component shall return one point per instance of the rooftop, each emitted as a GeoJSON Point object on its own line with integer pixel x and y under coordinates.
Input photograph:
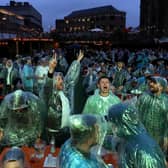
{"type": "Point", "coordinates": [94, 11]}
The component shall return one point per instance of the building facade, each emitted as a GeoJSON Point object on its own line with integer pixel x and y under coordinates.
{"type": "Point", "coordinates": [106, 18]}
{"type": "Point", "coordinates": [32, 18]}
{"type": "Point", "coordinates": [154, 17]}
{"type": "Point", "coordinates": [9, 23]}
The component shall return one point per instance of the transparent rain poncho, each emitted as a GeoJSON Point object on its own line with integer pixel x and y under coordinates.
{"type": "Point", "coordinates": [99, 105]}
{"type": "Point", "coordinates": [139, 150]}
{"type": "Point", "coordinates": [59, 103]}
{"type": "Point", "coordinates": [153, 111]}
{"type": "Point", "coordinates": [80, 125]}
{"type": "Point", "coordinates": [20, 118]}
{"type": "Point", "coordinates": [82, 122]}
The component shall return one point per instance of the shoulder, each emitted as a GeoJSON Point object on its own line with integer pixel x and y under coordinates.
{"type": "Point", "coordinates": [71, 158]}
{"type": "Point", "coordinates": [30, 95]}
{"type": "Point", "coordinates": [92, 98]}
{"type": "Point", "coordinates": [112, 95]}
{"type": "Point", "coordinates": [145, 95]}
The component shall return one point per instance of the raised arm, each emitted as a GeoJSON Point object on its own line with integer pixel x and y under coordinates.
{"type": "Point", "coordinates": [74, 71]}
{"type": "Point", "coordinates": [53, 63]}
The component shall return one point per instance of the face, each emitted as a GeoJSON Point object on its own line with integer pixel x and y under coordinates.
{"type": "Point", "coordinates": [13, 164]}
{"type": "Point", "coordinates": [134, 84]}
{"type": "Point", "coordinates": [120, 64]}
{"type": "Point", "coordinates": [29, 62]}
{"type": "Point", "coordinates": [104, 85]}
{"type": "Point", "coordinates": [9, 63]}
{"type": "Point", "coordinates": [155, 87]}
{"type": "Point", "coordinates": [59, 82]}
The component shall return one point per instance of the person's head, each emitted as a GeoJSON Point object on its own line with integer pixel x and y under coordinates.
{"type": "Point", "coordinates": [134, 82]}
{"type": "Point", "coordinates": [17, 101]}
{"type": "Point", "coordinates": [130, 68]}
{"type": "Point", "coordinates": [9, 63]}
{"type": "Point", "coordinates": [104, 85]}
{"type": "Point", "coordinates": [125, 120]}
{"type": "Point", "coordinates": [29, 61]}
{"type": "Point", "coordinates": [14, 158]}
{"type": "Point", "coordinates": [84, 129]}
{"type": "Point", "coordinates": [147, 74]}
{"type": "Point", "coordinates": [58, 81]}
{"type": "Point", "coordinates": [4, 60]}
{"type": "Point", "coordinates": [120, 64]}
{"type": "Point", "coordinates": [157, 84]}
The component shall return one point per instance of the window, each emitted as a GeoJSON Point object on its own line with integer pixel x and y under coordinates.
{"type": "Point", "coordinates": [83, 20]}
{"type": "Point", "coordinates": [88, 19]}
{"type": "Point", "coordinates": [67, 21]}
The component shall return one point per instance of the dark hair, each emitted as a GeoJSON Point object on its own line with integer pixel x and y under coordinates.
{"type": "Point", "coordinates": [81, 133]}
{"type": "Point", "coordinates": [103, 77]}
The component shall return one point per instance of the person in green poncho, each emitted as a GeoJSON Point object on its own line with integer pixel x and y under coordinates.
{"type": "Point", "coordinates": [20, 119]}
{"type": "Point", "coordinates": [119, 76]}
{"type": "Point", "coordinates": [86, 131]}
{"type": "Point", "coordinates": [58, 99]}
{"type": "Point", "coordinates": [153, 110]}
{"type": "Point", "coordinates": [137, 148]}
{"type": "Point", "coordinates": [99, 103]}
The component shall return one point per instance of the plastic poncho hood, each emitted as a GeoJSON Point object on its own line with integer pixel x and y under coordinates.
{"type": "Point", "coordinates": [17, 100]}
{"type": "Point", "coordinates": [162, 81]}
{"type": "Point", "coordinates": [125, 119]}
{"type": "Point", "coordinates": [82, 123]}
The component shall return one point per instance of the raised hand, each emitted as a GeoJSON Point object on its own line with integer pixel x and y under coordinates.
{"type": "Point", "coordinates": [80, 56]}
{"type": "Point", "coordinates": [53, 63]}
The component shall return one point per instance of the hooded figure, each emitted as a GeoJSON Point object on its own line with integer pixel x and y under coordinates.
{"type": "Point", "coordinates": [86, 131]}
{"type": "Point", "coordinates": [153, 110]}
{"type": "Point", "coordinates": [139, 149]}
{"type": "Point", "coordinates": [20, 119]}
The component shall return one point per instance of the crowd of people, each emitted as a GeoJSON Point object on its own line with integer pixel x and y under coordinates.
{"type": "Point", "coordinates": [125, 97]}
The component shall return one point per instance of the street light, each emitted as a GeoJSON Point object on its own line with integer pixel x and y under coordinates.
{"type": "Point", "coordinates": [4, 18]}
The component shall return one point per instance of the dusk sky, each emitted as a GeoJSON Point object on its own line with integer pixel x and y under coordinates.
{"type": "Point", "coordinates": [57, 9]}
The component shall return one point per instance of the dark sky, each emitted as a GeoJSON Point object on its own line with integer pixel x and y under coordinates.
{"type": "Point", "coordinates": [57, 9]}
